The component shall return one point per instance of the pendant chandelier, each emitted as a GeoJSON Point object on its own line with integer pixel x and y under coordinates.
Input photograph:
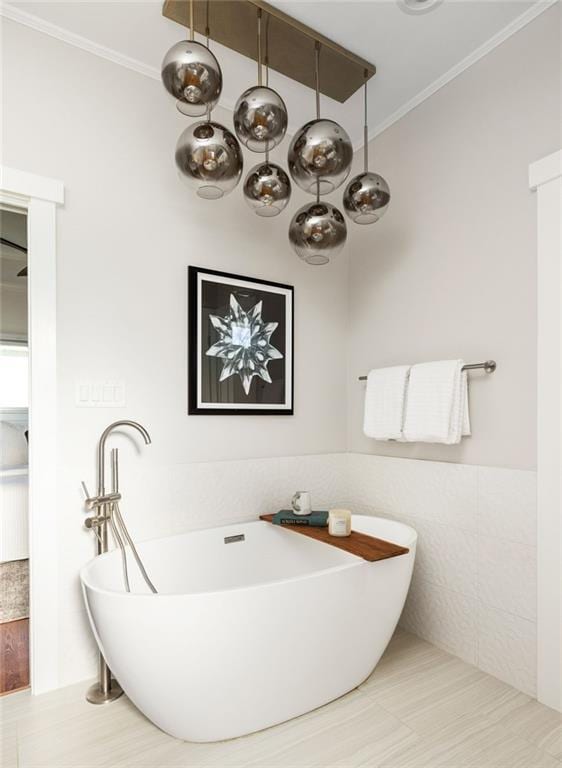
{"type": "Point", "coordinates": [367, 195]}
{"type": "Point", "coordinates": [260, 114]}
{"type": "Point", "coordinates": [321, 152]}
{"type": "Point", "coordinates": [209, 156]}
{"type": "Point", "coordinates": [192, 74]}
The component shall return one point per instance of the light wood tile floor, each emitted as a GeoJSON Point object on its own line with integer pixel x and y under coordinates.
{"type": "Point", "coordinates": [421, 708]}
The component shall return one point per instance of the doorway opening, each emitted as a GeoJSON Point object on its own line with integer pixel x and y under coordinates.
{"type": "Point", "coordinates": [14, 454]}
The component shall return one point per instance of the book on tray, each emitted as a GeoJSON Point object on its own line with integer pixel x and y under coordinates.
{"type": "Point", "coordinates": [317, 518]}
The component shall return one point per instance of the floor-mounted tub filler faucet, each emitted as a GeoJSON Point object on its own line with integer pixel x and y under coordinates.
{"type": "Point", "coordinates": [105, 506]}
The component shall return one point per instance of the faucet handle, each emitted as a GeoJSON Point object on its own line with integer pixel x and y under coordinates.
{"type": "Point", "coordinates": [95, 502]}
{"type": "Point", "coordinates": [96, 521]}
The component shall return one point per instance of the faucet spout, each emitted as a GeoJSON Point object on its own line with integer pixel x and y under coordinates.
{"type": "Point", "coordinates": [101, 446]}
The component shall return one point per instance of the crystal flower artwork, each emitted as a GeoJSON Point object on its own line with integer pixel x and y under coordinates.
{"type": "Point", "coordinates": [244, 343]}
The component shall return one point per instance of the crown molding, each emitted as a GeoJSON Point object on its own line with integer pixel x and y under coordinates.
{"type": "Point", "coordinates": [500, 37]}
{"type": "Point", "coordinates": [14, 13]}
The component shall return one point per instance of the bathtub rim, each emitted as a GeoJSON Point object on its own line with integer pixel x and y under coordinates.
{"type": "Point", "coordinates": [353, 563]}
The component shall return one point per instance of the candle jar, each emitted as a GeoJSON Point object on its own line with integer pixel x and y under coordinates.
{"type": "Point", "coordinates": [339, 522]}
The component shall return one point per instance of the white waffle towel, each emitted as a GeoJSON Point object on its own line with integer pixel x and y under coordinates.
{"type": "Point", "coordinates": [437, 403]}
{"type": "Point", "coordinates": [384, 402]}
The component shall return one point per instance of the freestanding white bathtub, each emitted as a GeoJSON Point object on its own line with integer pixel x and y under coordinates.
{"type": "Point", "coordinates": [246, 634]}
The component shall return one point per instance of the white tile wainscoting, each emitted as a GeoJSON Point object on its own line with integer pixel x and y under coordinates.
{"type": "Point", "coordinates": [473, 592]}
{"type": "Point", "coordinates": [474, 586]}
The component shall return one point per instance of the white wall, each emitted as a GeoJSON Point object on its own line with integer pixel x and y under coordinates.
{"type": "Point", "coordinates": [450, 271]}
{"type": "Point", "coordinates": [126, 234]}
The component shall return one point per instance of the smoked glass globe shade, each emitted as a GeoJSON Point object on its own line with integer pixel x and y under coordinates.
{"type": "Point", "coordinates": [209, 159]}
{"type": "Point", "coordinates": [320, 156]}
{"type": "Point", "coordinates": [317, 232]}
{"type": "Point", "coordinates": [366, 198]}
{"type": "Point", "coordinates": [260, 119]}
{"type": "Point", "coordinates": [267, 189]}
{"type": "Point", "coordinates": [192, 75]}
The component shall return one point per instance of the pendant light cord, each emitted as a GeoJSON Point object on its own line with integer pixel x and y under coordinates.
{"type": "Point", "coordinates": [317, 76]}
{"type": "Point", "coordinates": [317, 88]}
{"type": "Point", "coordinates": [266, 63]}
{"type": "Point", "coordinates": [365, 128]}
{"type": "Point", "coordinates": [266, 57]}
{"type": "Point", "coordinates": [208, 35]}
{"type": "Point", "coordinates": [259, 48]}
{"type": "Point", "coordinates": [191, 27]}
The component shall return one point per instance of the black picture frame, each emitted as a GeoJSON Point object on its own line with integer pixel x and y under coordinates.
{"type": "Point", "coordinates": [210, 293]}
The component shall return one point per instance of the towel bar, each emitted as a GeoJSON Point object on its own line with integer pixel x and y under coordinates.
{"type": "Point", "coordinates": [489, 366]}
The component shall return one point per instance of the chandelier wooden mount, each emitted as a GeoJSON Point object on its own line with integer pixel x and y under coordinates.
{"type": "Point", "coordinates": [290, 43]}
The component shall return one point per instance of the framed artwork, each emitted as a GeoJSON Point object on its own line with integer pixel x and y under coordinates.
{"type": "Point", "coordinates": [240, 337]}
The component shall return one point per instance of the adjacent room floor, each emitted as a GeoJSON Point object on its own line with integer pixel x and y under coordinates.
{"type": "Point", "coordinates": [14, 625]}
{"type": "Point", "coordinates": [421, 708]}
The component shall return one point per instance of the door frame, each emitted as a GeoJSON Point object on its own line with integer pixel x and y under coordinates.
{"type": "Point", "coordinates": [545, 177]}
{"type": "Point", "coordinates": [39, 197]}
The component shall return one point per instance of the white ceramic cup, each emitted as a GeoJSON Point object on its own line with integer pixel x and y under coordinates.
{"type": "Point", "coordinates": [301, 503]}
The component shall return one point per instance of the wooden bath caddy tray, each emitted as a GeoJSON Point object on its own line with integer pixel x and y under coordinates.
{"type": "Point", "coordinates": [367, 547]}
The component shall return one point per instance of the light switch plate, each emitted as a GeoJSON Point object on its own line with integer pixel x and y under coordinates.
{"type": "Point", "coordinates": [100, 394]}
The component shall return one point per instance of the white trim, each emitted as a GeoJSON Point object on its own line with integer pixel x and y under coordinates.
{"type": "Point", "coordinates": [39, 196]}
{"type": "Point", "coordinates": [27, 185]}
{"type": "Point", "coordinates": [43, 506]}
{"type": "Point", "coordinates": [13, 13]}
{"type": "Point", "coordinates": [545, 170]}
{"type": "Point", "coordinates": [500, 37]}
{"type": "Point", "coordinates": [545, 177]}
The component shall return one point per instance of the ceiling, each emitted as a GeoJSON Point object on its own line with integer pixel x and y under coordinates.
{"type": "Point", "coordinates": [414, 54]}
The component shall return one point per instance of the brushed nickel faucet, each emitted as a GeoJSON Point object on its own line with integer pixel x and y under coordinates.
{"type": "Point", "coordinates": [105, 507]}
